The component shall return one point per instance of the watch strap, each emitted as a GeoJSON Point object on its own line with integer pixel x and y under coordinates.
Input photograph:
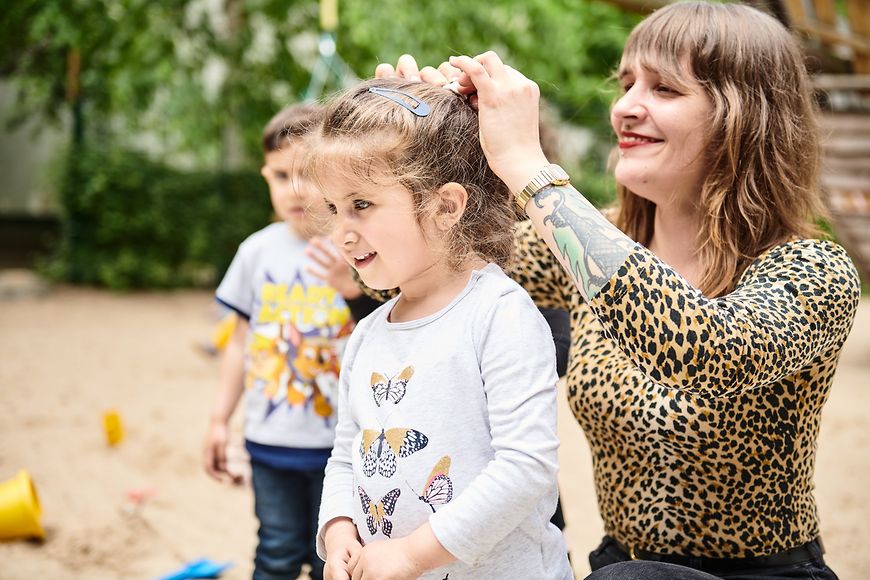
{"type": "Point", "coordinates": [550, 174]}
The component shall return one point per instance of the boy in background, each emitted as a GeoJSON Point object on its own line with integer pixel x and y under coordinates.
{"type": "Point", "coordinates": [284, 356]}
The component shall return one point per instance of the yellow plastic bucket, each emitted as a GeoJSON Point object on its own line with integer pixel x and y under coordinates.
{"type": "Point", "coordinates": [113, 427]}
{"type": "Point", "coordinates": [19, 508]}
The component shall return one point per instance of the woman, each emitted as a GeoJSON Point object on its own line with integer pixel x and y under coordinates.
{"type": "Point", "coordinates": [707, 319]}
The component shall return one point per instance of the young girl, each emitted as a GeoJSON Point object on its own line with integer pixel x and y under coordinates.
{"type": "Point", "coordinates": [445, 455]}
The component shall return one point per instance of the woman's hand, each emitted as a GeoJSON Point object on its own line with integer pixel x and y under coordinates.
{"type": "Point", "coordinates": [406, 68]}
{"type": "Point", "coordinates": [508, 105]}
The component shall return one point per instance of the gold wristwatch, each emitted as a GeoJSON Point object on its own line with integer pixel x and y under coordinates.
{"type": "Point", "coordinates": [551, 174]}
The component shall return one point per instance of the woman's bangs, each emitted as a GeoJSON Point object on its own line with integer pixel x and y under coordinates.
{"type": "Point", "coordinates": [664, 45]}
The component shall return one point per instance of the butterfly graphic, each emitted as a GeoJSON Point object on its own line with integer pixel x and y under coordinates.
{"type": "Point", "coordinates": [376, 513]}
{"type": "Point", "coordinates": [390, 389]}
{"type": "Point", "coordinates": [439, 488]}
{"type": "Point", "coordinates": [380, 449]}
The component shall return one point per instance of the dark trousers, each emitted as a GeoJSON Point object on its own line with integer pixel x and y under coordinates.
{"type": "Point", "coordinates": [286, 503]}
{"type": "Point", "coordinates": [610, 562]}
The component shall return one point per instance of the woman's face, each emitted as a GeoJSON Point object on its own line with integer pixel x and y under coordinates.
{"type": "Point", "coordinates": [660, 127]}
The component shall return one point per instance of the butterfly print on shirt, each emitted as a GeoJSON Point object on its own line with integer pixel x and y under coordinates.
{"type": "Point", "coordinates": [439, 488]}
{"type": "Point", "coordinates": [379, 450]}
{"type": "Point", "coordinates": [377, 512]}
{"type": "Point", "coordinates": [390, 389]}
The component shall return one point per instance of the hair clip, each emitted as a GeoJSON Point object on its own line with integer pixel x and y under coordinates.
{"type": "Point", "coordinates": [419, 108]}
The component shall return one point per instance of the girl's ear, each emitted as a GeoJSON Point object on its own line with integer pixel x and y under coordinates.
{"type": "Point", "coordinates": [451, 205]}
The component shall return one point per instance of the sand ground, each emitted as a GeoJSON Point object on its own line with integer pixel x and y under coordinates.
{"type": "Point", "coordinates": [70, 354]}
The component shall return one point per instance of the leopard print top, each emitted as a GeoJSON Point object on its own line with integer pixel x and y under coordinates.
{"type": "Point", "coordinates": [703, 414]}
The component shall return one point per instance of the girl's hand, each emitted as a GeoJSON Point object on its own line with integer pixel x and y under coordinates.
{"type": "Point", "coordinates": [331, 268]}
{"type": "Point", "coordinates": [385, 560]}
{"type": "Point", "coordinates": [508, 104]}
{"type": "Point", "coordinates": [342, 546]}
{"type": "Point", "coordinates": [337, 560]}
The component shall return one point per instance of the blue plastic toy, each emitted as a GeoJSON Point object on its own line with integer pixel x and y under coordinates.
{"type": "Point", "coordinates": [202, 568]}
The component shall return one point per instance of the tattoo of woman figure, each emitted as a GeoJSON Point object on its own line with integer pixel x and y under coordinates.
{"type": "Point", "coordinates": [591, 246]}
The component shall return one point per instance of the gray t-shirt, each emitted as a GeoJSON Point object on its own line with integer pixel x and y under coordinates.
{"type": "Point", "coordinates": [298, 328]}
{"type": "Point", "coordinates": [451, 419]}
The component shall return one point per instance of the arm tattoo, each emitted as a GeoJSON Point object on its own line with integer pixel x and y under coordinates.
{"type": "Point", "coordinates": [591, 248]}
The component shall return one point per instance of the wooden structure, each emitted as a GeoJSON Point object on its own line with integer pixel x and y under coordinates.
{"type": "Point", "coordinates": [846, 165]}
{"type": "Point", "coordinates": [845, 34]}
{"type": "Point", "coordinates": [841, 41]}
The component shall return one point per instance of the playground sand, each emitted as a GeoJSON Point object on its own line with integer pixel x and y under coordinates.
{"type": "Point", "coordinates": [69, 355]}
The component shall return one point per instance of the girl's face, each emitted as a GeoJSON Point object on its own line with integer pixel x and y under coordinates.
{"type": "Point", "coordinates": [661, 135]}
{"type": "Point", "coordinates": [375, 228]}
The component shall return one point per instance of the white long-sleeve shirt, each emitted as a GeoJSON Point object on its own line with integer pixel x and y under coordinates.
{"type": "Point", "coordinates": [451, 419]}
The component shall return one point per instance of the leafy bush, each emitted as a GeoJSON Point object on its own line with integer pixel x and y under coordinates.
{"type": "Point", "coordinates": [129, 222]}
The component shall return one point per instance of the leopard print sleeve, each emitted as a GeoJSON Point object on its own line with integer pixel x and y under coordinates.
{"type": "Point", "coordinates": [536, 269]}
{"type": "Point", "coordinates": [792, 305]}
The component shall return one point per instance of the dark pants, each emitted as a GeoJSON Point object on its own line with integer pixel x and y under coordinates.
{"type": "Point", "coordinates": [286, 503]}
{"type": "Point", "coordinates": [610, 562]}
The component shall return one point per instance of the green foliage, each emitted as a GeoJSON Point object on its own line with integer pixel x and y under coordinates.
{"type": "Point", "coordinates": [200, 78]}
{"type": "Point", "coordinates": [144, 61]}
{"type": "Point", "coordinates": [569, 47]}
{"type": "Point", "coordinates": [592, 179]}
{"type": "Point", "coordinates": [175, 68]}
{"type": "Point", "coordinates": [130, 222]}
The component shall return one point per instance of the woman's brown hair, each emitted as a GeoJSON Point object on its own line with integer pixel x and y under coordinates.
{"type": "Point", "coordinates": [369, 137]}
{"type": "Point", "coordinates": [761, 186]}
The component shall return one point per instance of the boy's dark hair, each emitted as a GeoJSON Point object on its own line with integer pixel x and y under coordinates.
{"type": "Point", "coordinates": [291, 121]}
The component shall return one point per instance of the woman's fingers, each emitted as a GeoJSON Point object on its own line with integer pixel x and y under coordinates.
{"type": "Point", "coordinates": [464, 86]}
{"type": "Point", "coordinates": [449, 71]}
{"type": "Point", "coordinates": [474, 72]}
{"type": "Point", "coordinates": [505, 98]}
{"type": "Point", "coordinates": [385, 71]}
{"type": "Point", "coordinates": [210, 462]}
{"type": "Point", "coordinates": [407, 68]}
{"type": "Point", "coordinates": [492, 63]}
{"type": "Point", "coordinates": [488, 74]}
{"type": "Point", "coordinates": [433, 76]}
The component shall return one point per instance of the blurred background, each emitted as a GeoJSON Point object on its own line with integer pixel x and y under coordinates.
{"type": "Point", "coordinates": [130, 157]}
{"type": "Point", "coordinates": [132, 126]}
